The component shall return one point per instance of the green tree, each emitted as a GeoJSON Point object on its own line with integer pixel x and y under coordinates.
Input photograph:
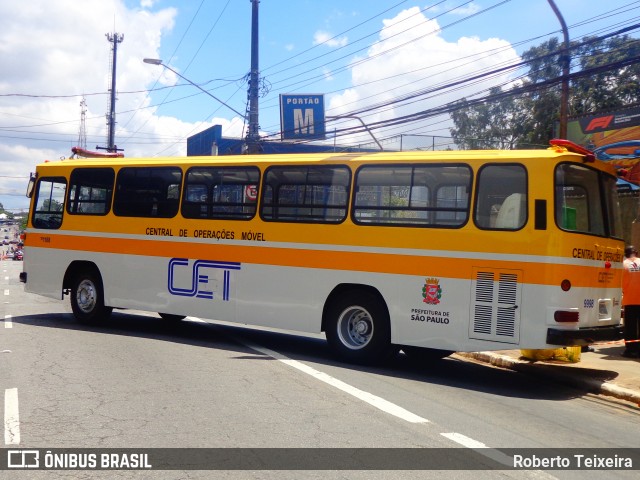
{"type": "Point", "coordinates": [611, 89]}
{"type": "Point", "coordinates": [500, 122]}
{"type": "Point", "coordinates": [526, 115]}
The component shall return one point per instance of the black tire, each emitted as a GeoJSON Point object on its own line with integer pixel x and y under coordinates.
{"type": "Point", "coordinates": [425, 355]}
{"type": "Point", "coordinates": [358, 328]}
{"type": "Point", "coordinates": [87, 298]}
{"type": "Point", "coordinates": [170, 317]}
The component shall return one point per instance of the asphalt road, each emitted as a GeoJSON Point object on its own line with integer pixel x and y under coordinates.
{"type": "Point", "coordinates": [142, 382]}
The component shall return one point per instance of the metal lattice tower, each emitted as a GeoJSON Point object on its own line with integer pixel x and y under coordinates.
{"type": "Point", "coordinates": [82, 133]}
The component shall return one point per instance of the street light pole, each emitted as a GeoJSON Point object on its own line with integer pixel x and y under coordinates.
{"type": "Point", "coordinates": [155, 61]}
{"type": "Point", "coordinates": [565, 60]}
{"type": "Point", "coordinates": [366, 127]}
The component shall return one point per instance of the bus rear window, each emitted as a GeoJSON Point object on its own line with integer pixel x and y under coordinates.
{"type": "Point", "coordinates": [579, 199]}
{"type": "Point", "coordinates": [501, 201]}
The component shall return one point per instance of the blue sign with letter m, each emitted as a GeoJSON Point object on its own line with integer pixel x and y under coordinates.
{"type": "Point", "coordinates": [302, 116]}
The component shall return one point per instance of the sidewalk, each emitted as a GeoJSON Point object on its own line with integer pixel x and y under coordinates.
{"type": "Point", "coordinates": [603, 371]}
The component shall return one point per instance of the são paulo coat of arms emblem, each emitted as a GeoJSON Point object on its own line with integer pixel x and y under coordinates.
{"type": "Point", "coordinates": [432, 291]}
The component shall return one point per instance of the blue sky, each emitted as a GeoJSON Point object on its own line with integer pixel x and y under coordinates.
{"type": "Point", "coordinates": [289, 32]}
{"type": "Point", "coordinates": [357, 53]}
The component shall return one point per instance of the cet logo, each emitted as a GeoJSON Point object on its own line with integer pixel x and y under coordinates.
{"type": "Point", "coordinates": [199, 278]}
{"type": "Point", "coordinates": [23, 459]}
{"type": "Point", "coordinates": [432, 291]}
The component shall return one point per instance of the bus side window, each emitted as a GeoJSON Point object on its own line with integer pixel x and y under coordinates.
{"type": "Point", "coordinates": [511, 214]}
{"type": "Point", "coordinates": [317, 194]}
{"type": "Point", "coordinates": [49, 203]}
{"type": "Point", "coordinates": [501, 198]}
{"type": "Point", "coordinates": [228, 193]}
{"type": "Point", "coordinates": [147, 192]}
{"type": "Point", "coordinates": [90, 191]}
{"type": "Point", "coordinates": [194, 204]}
{"type": "Point", "coordinates": [413, 195]}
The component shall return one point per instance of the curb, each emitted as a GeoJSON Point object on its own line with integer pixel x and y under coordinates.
{"type": "Point", "coordinates": [578, 381]}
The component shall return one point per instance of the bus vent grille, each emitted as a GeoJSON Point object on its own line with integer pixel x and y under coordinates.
{"type": "Point", "coordinates": [507, 291]}
{"type": "Point", "coordinates": [484, 287]}
{"type": "Point", "coordinates": [494, 311]}
{"type": "Point", "coordinates": [482, 319]}
{"type": "Point", "coordinates": [508, 288]}
{"type": "Point", "coordinates": [506, 322]}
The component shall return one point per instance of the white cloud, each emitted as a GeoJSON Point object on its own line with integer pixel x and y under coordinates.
{"type": "Point", "coordinates": [326, 38]}
{"type": "Point", "coordinates": [465, 10]}
{"type": "Point", "coordinates": [58, 48]}
{"type": "Point", "coordinates": [417, 58]}
{"type": "Point", "coordinates": [328, 75]}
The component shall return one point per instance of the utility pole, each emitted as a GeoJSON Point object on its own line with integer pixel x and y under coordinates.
{"type": "Point", "coordinates": [253, 133]}
{"type": "Point", "coordinates": [115, 39]}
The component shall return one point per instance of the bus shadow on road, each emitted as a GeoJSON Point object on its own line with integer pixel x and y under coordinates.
{"type": "Point", "coordinates": [448, 373]}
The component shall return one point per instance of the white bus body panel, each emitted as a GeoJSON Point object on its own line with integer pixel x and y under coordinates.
{"type": "Point", "coordinates": [485, 313]}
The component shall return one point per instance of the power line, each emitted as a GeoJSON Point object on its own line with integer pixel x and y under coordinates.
{"type": "Point", "coordinates": [415, 96]}
{"type": "Point", "coordinates": [453, 106]}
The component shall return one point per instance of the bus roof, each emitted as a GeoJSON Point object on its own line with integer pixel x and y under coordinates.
{"type": "Point", "coordinates": [555, 153]}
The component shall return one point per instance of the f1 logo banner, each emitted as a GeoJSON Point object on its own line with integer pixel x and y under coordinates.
{"type": "Point", "coordinates": [623, 118]}
{"type": "Point", "coordinates": [302, 116]}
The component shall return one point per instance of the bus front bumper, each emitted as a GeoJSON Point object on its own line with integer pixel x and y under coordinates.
{"type": "Point", "coordinates": [584, 336]}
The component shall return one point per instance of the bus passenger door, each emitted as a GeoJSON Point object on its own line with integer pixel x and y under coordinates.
{"type": "Point", "coordinates": [495, 305]}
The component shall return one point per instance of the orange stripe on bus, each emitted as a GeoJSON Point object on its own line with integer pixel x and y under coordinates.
{"type": "Point", "coordinates": [544, 274]}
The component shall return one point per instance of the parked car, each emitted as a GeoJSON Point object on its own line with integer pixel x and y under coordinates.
{"type": "Point", "coordinates": [17, 255]}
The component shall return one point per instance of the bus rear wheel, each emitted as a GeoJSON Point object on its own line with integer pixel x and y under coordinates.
{"type": "Point", "coordinates": [425, 355]}
{"type": "Point", "coordinates": [358, 327]}
{"type": "Point", "coordinates": [87, 298]}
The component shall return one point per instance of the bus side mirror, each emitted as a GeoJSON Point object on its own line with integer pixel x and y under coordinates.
{"type": "Point", "coordinates": [31, 184]}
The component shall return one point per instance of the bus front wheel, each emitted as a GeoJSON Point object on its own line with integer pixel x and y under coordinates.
{"type": "Point", "coordinates": [87, 298]}
{"type": "Point", "coordinates": [358, 327]}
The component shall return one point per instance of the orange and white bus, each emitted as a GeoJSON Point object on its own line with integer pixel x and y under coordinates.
{"type": "Point", "coordinates": [428, 252]}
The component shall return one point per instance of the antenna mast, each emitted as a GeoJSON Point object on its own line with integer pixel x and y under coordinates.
{"type": "Point", "coordinates": [82, 133]}
{"type": "Point", "coordinates": [115, 39]}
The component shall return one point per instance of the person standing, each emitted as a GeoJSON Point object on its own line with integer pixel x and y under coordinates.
{"type": "Point", "coordinates": [631, 302]}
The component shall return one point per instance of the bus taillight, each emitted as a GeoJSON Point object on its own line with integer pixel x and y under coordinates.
{"type": "Point", "coordinates": [564, 316]}
{"type": "Point", "coordinates": [565, 285]}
